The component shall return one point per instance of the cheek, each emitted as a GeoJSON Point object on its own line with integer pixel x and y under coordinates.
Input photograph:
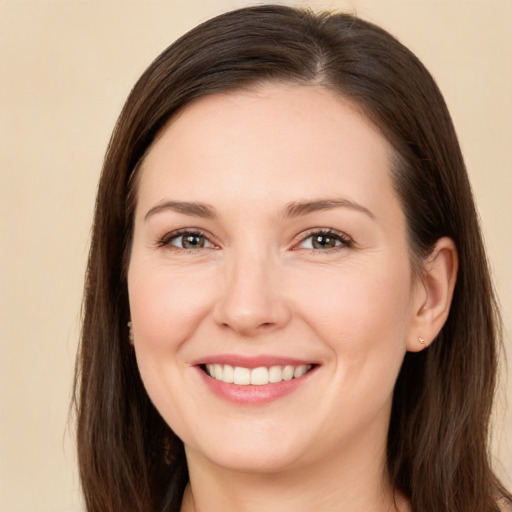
{"type": "Point", "coordinates": [355, 298]}
{"type": "Point", "coordinates": [358, 312]}
{"type": "Point", "coordinates": [364, 320]}
{"type": "Point", "coordinates": [166, 307]}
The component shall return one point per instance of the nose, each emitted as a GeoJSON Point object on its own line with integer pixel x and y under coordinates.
{"type": "Point", "coordinates": [252, 300]}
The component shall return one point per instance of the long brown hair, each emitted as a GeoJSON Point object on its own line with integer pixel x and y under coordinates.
{"type": "Point", "coordinates": [437, 453]}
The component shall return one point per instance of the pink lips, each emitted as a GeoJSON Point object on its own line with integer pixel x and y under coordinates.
{"type": "Point", "coordinates": [252, 394]}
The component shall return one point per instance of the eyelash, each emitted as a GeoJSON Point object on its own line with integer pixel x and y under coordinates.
{"type": "Point", "coordinates": [337, 236]}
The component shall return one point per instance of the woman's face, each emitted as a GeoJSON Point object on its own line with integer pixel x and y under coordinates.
{"type": "Point", "coordinates": [268, 242]}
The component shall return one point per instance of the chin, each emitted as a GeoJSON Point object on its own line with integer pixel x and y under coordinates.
{"type": "Point", "coordinates": [251, 461]}
{"type": "Point", "coordinates": [260, 454]}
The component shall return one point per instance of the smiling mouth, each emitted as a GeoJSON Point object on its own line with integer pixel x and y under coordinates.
{"type": "Point", "coordinates": [255, 376]}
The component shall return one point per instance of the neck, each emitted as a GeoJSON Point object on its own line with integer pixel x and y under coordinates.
{"type": "Point", "coordinates": [356, 484]}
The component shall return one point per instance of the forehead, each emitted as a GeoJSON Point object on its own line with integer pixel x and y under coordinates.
{"type": "Point", "coordinates": [273, 142]}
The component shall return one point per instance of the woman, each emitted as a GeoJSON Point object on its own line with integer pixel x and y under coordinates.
{"type": "Point", "coordinates": [287, 302]}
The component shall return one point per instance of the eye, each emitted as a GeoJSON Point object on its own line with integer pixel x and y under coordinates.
{"type": "Point", "coordinates": [187, 239]}
{"type": "Point", "coordinates": [325, 240]}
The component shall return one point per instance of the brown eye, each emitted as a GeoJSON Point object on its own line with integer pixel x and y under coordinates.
{"type": "Point", "coordinates": [190, 241]}
{"type": "Point", "coordinates": [325, 241]}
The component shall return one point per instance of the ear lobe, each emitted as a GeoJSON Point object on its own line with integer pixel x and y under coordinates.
{"type": "Point", "coordinates": [435, 292]}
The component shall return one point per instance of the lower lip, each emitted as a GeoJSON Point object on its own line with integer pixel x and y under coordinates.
{"type": "Point", "coordinates": [254, 395]}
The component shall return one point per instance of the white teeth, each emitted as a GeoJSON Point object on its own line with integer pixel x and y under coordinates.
{"type": "Point", "coordinates": [257, 376]}
{"type": "Point", "coordinates": [299, 371]}
{"type": "Point", "coordinates": [275, 374]}
{"type": "Point", "coordinates": [217, 371]}
{"type": "Point", "coordinates": [288, 372]}
{"type": "Point", "coordinates": [229, 374]}
{"type": "Point", "coordinates": [242, 376]}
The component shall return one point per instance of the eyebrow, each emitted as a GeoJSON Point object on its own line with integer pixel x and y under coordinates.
{"type": "Point", "coordinates": [297, 209]}
{"type": "Point", "coordinates": [194, 209]}
{"type": "Point", "coordinates": [293, 209]}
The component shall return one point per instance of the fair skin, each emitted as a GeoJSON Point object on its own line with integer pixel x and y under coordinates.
{"type": "Point", "coordinates": [268, 234]}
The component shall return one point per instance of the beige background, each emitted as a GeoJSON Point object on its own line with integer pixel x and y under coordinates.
{"type": "Point", "coordinates": [65, 70]}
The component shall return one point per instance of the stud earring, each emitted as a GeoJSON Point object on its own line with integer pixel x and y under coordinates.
{"type": "Point", "coordinates": [130, 332]}
{"type": "Point", "coordinates": [421, 340]}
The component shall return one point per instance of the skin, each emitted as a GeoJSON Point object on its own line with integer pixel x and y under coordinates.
{"type": "Point", "coordinates": [257, 287]}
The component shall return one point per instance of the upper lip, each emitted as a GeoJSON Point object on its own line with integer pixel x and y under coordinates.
{"type": "Point", "coordinates": [250, 362]}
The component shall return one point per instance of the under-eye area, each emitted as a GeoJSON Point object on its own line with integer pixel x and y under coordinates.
{"type": "Point", "coordinates": [259, 376]}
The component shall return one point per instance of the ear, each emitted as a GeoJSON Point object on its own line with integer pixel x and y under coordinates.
{"type": "Point", "coordinates": [433, 294]}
